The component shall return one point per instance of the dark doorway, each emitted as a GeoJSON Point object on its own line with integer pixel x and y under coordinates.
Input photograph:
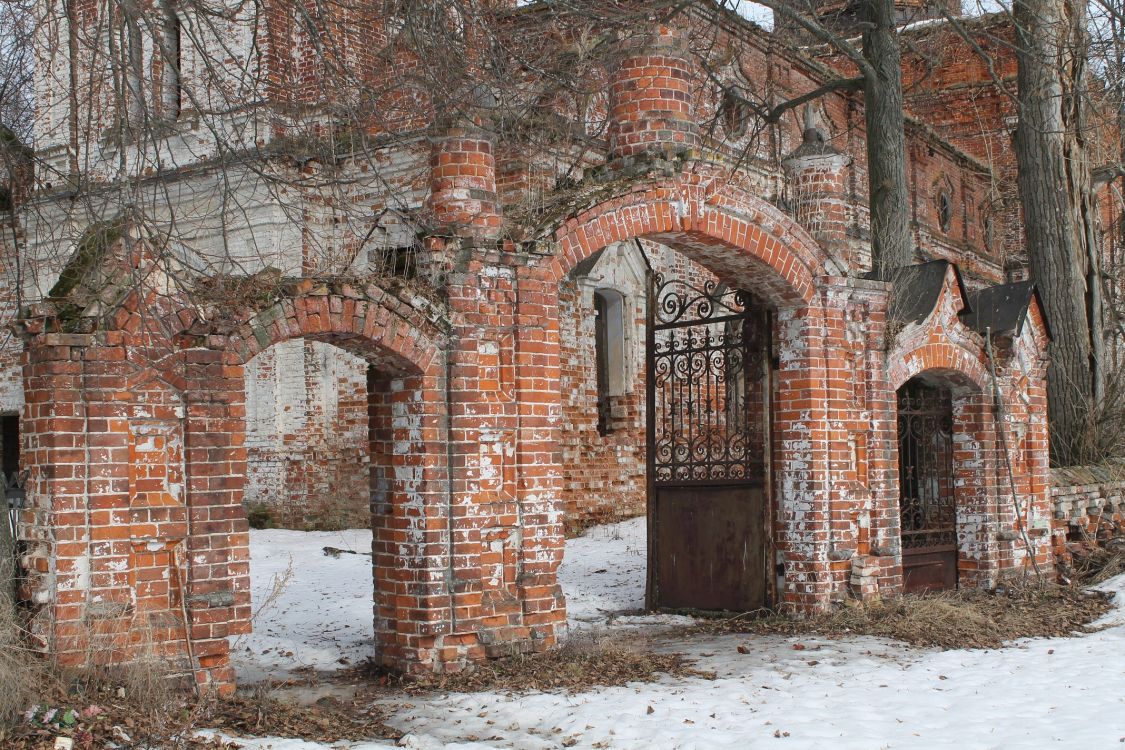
{"type": "Point", "coordinates": [10, 448]}
{"type": "Point", "coordinates": [708, 467]}
{"type": "Point", "coordinates": [926, 498]}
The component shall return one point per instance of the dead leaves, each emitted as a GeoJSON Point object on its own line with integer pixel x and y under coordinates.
{"type": "Point", "coordinates": [969, 618]}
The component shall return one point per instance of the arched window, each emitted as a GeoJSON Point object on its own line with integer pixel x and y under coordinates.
{"type": "Point", "coordinates": [134, 66]}
{"type": "Point", "coordinates": [609, 351]}
{"type": "Point", "coordinates": [945, 210]}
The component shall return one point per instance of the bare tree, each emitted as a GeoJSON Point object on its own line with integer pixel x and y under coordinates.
{"type": "Point", "coordinates": [1058, 210]}
{"type": "Point", "coordinates": [879, 65]}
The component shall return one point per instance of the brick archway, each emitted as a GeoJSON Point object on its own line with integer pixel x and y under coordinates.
{"type": "Point", "coordinates": [739, 237]}
{"type": "Point", "coordinates": [957, 367]}
{"type": "Point", "coordinates": [751, 245]}
{"type": "Point", "coordinates": [975, 457]}
{"type": "Point", "coordinates": [406, 355]}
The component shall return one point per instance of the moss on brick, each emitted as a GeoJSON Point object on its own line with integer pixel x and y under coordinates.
{"type": "Point", "coordinates": [91, 251]}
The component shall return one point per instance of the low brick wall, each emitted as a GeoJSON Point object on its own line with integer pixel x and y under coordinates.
{"type": "Point", "coordinates": [1088, 503]}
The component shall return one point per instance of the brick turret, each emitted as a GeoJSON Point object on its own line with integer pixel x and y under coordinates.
{"type": "Point", "coordinates": [817, 178]}
{"type": "Point", "coordinates": [463, 182]}
{"type": "Point", "coordinates": [652, 107]}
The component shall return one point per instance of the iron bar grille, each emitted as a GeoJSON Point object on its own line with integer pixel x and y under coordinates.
{"type": "Point", "coordinates": [925, 450]}
{"type": "Point", "coordinates": [705, 368]}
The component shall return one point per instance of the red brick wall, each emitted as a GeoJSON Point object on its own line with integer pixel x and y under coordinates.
{"type": "Point", "coordinates": [475, 366]}
{"type": "Point", "coordinates": [307, 455]}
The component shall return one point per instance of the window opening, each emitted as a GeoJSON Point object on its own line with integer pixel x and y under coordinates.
{"type": "Point", "coordinates": [609, 351]}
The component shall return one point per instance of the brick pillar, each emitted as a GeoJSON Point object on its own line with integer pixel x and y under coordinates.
{"type": "Point", "coordinates": [817, 181]}
{"type": "Point", "coordinates": [536, 372]}
{"type": "Point", "coordinates": [463, 183]}
{"type": "Point", "coordinates": [53, 524]}
{"type": "Point", "coordinates": [106, 516]}
{"type": "Point", "coordinates": [803, 457]}
{"type": "Point", "coordinates": [862, 425]}
{"type": "Point", "coordinates": [980, 509]}
{"type": "Point", "coordinates": [1023, 390]}
{"type": "Point", "coordinates": [218, 595]}
{"type": "Point", "coordinates": [651, 101]}
{"type": "Point", "coordinates": [506, 529]}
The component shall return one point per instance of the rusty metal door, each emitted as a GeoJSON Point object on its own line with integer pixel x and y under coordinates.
{"type": "Point", "coordinates": [926, 502]}
{"type": "Point", "coordinates": [708, 422]}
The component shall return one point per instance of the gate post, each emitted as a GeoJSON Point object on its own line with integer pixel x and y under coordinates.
{"type": "Point", "coordinates": [802, 451]}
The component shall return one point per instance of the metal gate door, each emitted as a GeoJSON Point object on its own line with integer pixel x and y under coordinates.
{"type": "Point", "coordinates": [708, 396]}
{"type": "Point", "coordinates": [926, 502]}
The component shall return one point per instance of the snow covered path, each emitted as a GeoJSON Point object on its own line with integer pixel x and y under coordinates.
{"type": "Point", "coordinates": [856, 693]}
{"type": "Point", "coordinates": [320, 607]}
{"type": "Point", "coordinates": [317, 609]}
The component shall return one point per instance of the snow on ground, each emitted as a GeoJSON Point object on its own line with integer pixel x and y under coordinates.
{"type": "Point", "coordinates": [310, 610]}
{"type": "Point", "coordinates": [603, 572]}
{"type": "Point", "coordinates": [811, 692]}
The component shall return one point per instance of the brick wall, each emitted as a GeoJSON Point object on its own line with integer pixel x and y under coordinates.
{"type": "Point", "coordinates": [306, 436]}
{"type": "Point", "coordinates": [1089, 506]}
{"type": "Point", "coordinates": [605, 473]}
{"type": "Point", "coordinates": [477, 398]}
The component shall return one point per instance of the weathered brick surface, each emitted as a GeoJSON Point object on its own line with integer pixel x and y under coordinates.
{"type": "Point", "coordinates": [466, 419]}
{"type": "Point", "coordinates": [306, 437]}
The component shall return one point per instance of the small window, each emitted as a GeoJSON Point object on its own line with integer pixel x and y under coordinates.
{"type": "Point", "coordinates": [945, 210]}
{"type": "Point", "coordinates": [134, 63]}
{"type": "Point", "coordinates": [171, 49]}
{"type": "Point", "coordinates": [734, 113]}
{"type": "Point", "coordinates": [609, 351]}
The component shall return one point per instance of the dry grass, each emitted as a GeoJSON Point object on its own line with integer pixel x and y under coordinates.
{"type": "Point", "coordinates": [146, 703]}
{"type": "Point", "coordinates": [1100, 565]}
{"type": "Point", "coordinates": [969, 618]}
{"type": "Point", "coordinates": [580, 664]}
{"type": "Point", "coordinates": [22, 673]}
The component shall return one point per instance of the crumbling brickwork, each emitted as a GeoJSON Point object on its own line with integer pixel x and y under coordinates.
{"type": "Point", "coordinates": [306, 437]}
{"type": "Point", "coordinates": [449, 395]}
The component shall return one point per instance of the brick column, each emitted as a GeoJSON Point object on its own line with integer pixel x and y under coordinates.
{"type": "Point", "coordinates": [538, 457]}
{"type": "Point", "coordinates": [463, 183]}
{"type": "Point", "coordinates": [54, 524]}
{"type": "Point", "coordinates": [862, 424]}
{"type": "Point", "coordinates": [218, 596]}
{"type": "Point", "coordinates": [651, 100]}
{"type": "Point", "coordinates": [981, 504]}
{"type": "Point", "coordinates": [817, 175]}
{"type": "Point", "coordinates": [485, 516]}
{"type": "Point", "coordinates": [106, 515]}
{"type": "Point", "coordinates": [804, 443]}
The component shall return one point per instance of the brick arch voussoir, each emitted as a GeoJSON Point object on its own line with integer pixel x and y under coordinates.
{"type": "Point", "coordinates": [676, 215]}
{"type": "Point", "coordinates": [774, 223]}
{"type": "Point", "coordinates": [950, 361]}
{"type": "Point", "coordinates": [362, 326]}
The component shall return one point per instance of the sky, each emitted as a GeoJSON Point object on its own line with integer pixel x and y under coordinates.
{"type": "Point", "coordinates": [764, 16]}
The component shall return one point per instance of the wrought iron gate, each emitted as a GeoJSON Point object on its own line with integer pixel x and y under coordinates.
{"type": "Point", "coordinates": [708, 422]}
{"type": "Point", "coordinates": [926, 502]}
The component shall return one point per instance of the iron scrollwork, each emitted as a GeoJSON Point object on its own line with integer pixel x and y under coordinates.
{"type": "Point", "coordinates": [677, 300]}
{"type": "Point", "coordinates": [925, 444]}
{"type": "Point", "coordinates": [705, 369]}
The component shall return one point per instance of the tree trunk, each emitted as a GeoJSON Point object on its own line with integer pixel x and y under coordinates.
{"type": "Point", "coordinates": [891, 243]}
{"type": "Point", "coordinates": [1054, 186]}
